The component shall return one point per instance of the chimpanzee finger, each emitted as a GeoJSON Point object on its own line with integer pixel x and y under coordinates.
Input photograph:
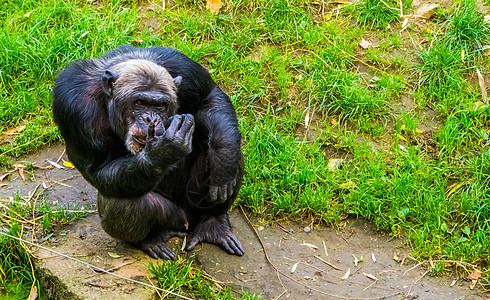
{"type": "Point", "coordinates": [165, 252]}
{"type": "Point", "coordinates": [229, 246]}
{"type": "Point", "coordinates": [151, 131]}
{"type": "Point", "coordinates": [175, 123]}
{"type": "Point", "coordinates": [189, 134]}
{"type": "Point", "coordinates": [213, 193]}
{"type": "Point", "coordinates": [192, 243]}
{"type": "Point", "coordinates": [236, 246]}
{"type": "Point", "coordinates": [222, 190]}
{"type": "Point", "coordinates": [230, 186]}
{"type": "Point", "coordinates": [149, 251]}
{"type": "Point", "coordinates": [187, 123]}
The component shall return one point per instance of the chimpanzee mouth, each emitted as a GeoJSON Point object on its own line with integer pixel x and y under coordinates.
{"type": "Point", "coordinates": [141, 141]}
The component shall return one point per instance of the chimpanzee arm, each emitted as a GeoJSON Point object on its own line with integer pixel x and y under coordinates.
{"type": "Point", "coordinates": [217, 120]}
{"type": "Point", "coordinates": [126, 177]}
{"type": "Point", "coordinates": [134, 175]}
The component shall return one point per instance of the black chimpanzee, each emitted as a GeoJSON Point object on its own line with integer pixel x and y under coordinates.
{"type": "Point", "coordinates": [151, 130]}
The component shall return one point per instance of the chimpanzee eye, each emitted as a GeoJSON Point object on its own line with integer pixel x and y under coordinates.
{"type": "Point", "coordinates": [139, 102]}
{"type": "Point", "coordinates": [161, 104]}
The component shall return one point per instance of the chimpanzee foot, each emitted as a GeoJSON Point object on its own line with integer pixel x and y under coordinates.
{"type": "Point", "coordinates": [155, 244]}
{"type": "Point", "coordinates": [216, 230]}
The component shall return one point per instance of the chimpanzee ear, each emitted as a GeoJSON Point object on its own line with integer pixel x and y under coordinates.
{"type": "Point", "coordinates": [177, 81]}
{"type": "Point", "coordinates": [108, 80]}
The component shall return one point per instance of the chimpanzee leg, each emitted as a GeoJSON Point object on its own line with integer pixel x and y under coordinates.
{"type": "Point", "coordinates": [147, 222]}
{"type": "Point", "coordinates": [211, 220]}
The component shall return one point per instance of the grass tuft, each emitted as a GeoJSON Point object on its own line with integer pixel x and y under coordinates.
{"type": "Point", "coordinates": [379, 14]}
{"type": "Point", "coordinates": [468, 30]}
{"type": "Point", "coordinates": [15, 271]}
{"type": "Point", "coordinates": [183, 278]}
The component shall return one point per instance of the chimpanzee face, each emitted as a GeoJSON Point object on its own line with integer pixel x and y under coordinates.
{"type": "Point", "coordinates": [141, 97]}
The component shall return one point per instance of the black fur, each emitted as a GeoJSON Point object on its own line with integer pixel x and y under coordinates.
{"type": "Point", "coordinates": [190, 168]}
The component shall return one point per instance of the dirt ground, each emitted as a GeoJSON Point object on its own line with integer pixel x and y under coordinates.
{"type": "Point", "coordinates": [320, 257]}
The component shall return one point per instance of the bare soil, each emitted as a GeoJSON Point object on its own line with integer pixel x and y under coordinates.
{"type": "Point", "coordinates": [385, 272]}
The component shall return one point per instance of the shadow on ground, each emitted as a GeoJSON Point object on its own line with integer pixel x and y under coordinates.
{"type": "Point", "coordinates": [318, 269]}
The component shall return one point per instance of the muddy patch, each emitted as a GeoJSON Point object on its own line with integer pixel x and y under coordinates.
{"type": "Point", "coordinates": [309, 263]}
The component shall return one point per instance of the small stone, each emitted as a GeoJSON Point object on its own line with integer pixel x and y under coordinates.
{"type": "Point", "coordinates": [307, 229]}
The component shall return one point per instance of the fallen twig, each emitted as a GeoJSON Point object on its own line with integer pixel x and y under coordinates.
{"type": "Point", "coordinates": [326, 262]}
{"type": "Point", "coordinates": [422, 276]}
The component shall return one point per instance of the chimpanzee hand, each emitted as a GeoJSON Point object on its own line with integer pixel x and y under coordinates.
{"type": "Point", "coordinates": [175, 142]}
{"type": "Point", "coordinates": [219, 194]}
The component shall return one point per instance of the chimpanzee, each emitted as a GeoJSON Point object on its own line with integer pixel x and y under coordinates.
{"type": "Point", "coordinates": [159, 140]}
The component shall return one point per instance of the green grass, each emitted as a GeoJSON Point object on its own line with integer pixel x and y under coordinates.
{"type": "Point", "coordinates": [414, 145]}
{"type": "Point", "coordinates": [59, 215]}
{"type": "Point", "coordinates": [183, 278]}
{"type": "Point", "coordinates": [379, 14]}
{"type": "Point", "coordinates": [37, 39]}
{"type": "Point", "coordinates": [467, 29]}
{"type": "Point", "coordinates": [15, 269]}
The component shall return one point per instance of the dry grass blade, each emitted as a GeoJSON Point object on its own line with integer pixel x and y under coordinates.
{"type": "Point", "coordinates": [328, 263]}
{"type": "Point", "coordinates": [483, 88]}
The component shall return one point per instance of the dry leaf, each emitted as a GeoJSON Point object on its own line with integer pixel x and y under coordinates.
{"type": "Point", "coordinates": [13, 131]}
{"type": "Point", "coordinates": [33, 295]}
{"type": "Point", "coordinates": [405, 24]}
{"type": "Point", "coordinates": [307, 120]}
{"type": "Point", "coordinates": [348, 185]}
{"type": "Point", "coordinates": [58, 166]}
{"type": "Point", "coordinates": [373, 257]}
{"type": "Point", "coordinates": [213, 5]}
{"type": "Point", "coordinates": [401, 137]}
{"type": "Point", "coordinates": [475, 275]}
{"type": "Point", "coordinates": [426, 10]}
{"type": "Point", "coordinates": [293, 269]}
{"type": "Point", "coordinates": [347, 274]}
{"type": "Point", "coordinates": [415, 2]}
{"type": "Point", "coordinates": [137, 41]}
{"type": "Point", "coordinates": [21, 173]}
{"type": "Point", "coordinates": [483, 89]}
{"type": "Point", "coordinates": [454, 189]}
{"type": "Point", "coordinates": [68, 164]}
{"type": "Point", "coordinates": [395, 257]}
{"type": "Point", "coordinates": [473, 284]}
{"type": "Point", "coordinates": [114, 255]}
{"type": "Point", "coordinates": [365, 44]}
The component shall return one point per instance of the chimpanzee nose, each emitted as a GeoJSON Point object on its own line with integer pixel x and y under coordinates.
{"type": "Point", "coordinates": [152, 118]}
